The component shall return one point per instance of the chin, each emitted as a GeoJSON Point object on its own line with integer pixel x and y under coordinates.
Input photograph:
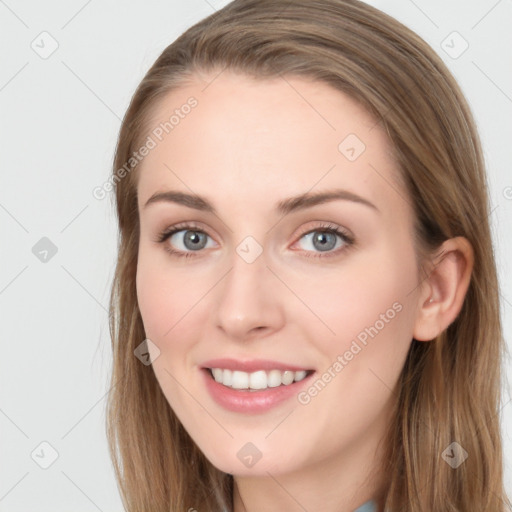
{"type": "Point", "coordinates": [246, 459]}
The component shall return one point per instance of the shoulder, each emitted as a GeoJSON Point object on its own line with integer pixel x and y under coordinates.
{"type": "Point", "coordinates": [369, 506]}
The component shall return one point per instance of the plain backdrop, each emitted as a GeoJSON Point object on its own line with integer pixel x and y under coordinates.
{"type": "Point", "coordinates": [68, 72]}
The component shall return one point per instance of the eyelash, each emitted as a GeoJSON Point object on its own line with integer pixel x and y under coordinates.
{"type": "Point", "coordinates": [324, 228]}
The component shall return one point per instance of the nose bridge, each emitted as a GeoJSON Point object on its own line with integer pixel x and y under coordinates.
{"type": "Point", "coordinates": [247, 300]}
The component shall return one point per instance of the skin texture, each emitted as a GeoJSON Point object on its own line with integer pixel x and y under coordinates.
{"type": "Point", "coordinates": [246, 146]}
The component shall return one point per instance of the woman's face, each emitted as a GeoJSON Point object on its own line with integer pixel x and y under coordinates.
{"type": "Point", "coordinates": [261, 282]}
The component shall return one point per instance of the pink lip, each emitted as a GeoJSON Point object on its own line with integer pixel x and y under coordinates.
{"type": "Point", "coordinates": [250, 402]}
{"type": "Point", "coordinates": [250, 365]}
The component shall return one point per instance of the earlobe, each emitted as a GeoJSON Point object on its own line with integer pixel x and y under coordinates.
{"type": "Point", "coordinates": [443, 292]}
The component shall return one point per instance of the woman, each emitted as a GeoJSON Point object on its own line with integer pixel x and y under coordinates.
{"type": "Point", "coordinates": [305, 311]}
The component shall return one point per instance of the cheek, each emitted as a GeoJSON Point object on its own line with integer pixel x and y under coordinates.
{"type": "Point", "coordinates": [163, 294]}
{"type": "Point", "coordinates": [153, 299]}
{"type": "Point", "coordinates": [372, 319]}
{"type": "Point", "coordinates": [349, 300]}
{"type": "Point", "coordinates": [364, 310]}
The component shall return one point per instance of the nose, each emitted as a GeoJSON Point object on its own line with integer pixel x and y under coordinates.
{"type": "Point", "coordinates": [248, 300]}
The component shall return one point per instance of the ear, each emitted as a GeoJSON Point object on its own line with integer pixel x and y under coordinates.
{"type": "Point", "coordinates": [443, 291]}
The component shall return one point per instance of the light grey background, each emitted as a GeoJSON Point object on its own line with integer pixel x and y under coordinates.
{"type": "Point", "coordinates": [59, 121]}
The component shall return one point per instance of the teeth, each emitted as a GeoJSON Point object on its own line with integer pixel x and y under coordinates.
{"type": "Point", "coordinates": [274, 378]}
{"type": "Point", "coordinates": [256, 380]}
{"type": "Point", "coordinates": [287, 377]}
{"type": "Point", "coordinates": [240, 380]}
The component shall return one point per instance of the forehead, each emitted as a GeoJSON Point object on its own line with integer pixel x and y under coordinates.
{"type": "Point", "coordinates": [233, 137]}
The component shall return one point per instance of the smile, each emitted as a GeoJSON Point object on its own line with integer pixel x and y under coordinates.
{"type": "Point", "coordinates": [253, 386]}
{"type": "Point", "coordinates": [260, 379]}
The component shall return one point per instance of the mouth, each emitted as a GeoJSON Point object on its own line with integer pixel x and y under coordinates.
{"type": "Point", "coordinates": [253, 386]}
{"type": "Point", "coordinates": [259, 380]}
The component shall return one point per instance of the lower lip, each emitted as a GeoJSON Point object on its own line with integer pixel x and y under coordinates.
{"type": "Point", "coordinates": [251, 402]}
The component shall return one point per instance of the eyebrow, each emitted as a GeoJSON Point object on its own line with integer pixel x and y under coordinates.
{"type": "Point", "coordinates": [292, 204]}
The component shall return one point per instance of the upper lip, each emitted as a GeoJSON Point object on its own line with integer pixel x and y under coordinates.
{"type": "Point", "coordinates": [251, 365]}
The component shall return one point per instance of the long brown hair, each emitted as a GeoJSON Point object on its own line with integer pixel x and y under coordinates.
{"type": "Point", "coordinates": [449, 389]}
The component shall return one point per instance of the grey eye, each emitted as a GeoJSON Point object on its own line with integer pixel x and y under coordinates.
{"type": "Point", "coordinates": [192, 241]}
{"type": "Point", "coordinates": [321, 240]}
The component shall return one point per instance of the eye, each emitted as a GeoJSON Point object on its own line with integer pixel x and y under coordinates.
{"type": "Point", "coordinates": [190, 240]}
{"type": "Point", "coordinates": [325, 238]}
{"type": "Point", "coordinates": [187, 237]}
